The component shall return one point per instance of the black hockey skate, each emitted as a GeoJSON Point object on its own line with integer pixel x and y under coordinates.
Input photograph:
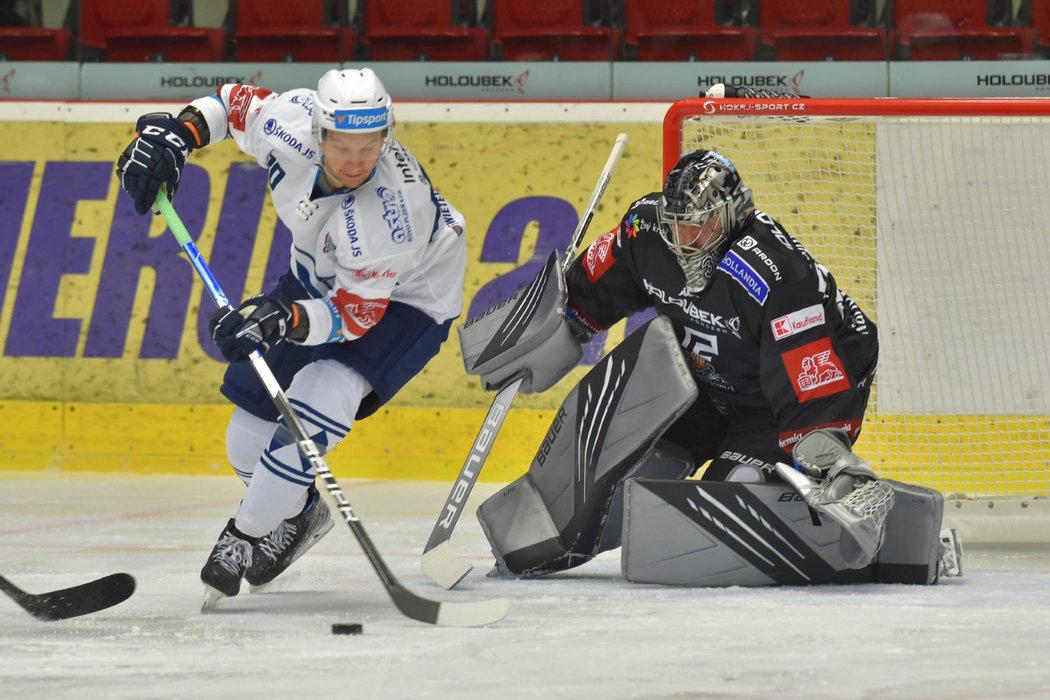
{"type": "Point", "coordinates": [226, 565]}
{"type": "Point", "coordinates": [289, 540]}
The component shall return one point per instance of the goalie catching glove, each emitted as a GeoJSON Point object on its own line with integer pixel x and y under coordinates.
{"type": "Point", "coordinates": [257, 324]}
{"type": "Point", "coordinates": [838, 484]}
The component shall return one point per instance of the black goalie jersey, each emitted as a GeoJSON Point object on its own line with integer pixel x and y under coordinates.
{"type": "Point", "coordinates": [771, 330]}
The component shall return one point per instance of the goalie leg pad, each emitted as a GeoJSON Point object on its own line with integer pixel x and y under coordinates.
{"type": "Point", "coordinates": [527, 334]}
{"type": "Point", "coordinates": [702, 533]}
{"type": "Point", "coordinates": [911, 552]}
{"type": "Point", "coordinates": [553, 518]}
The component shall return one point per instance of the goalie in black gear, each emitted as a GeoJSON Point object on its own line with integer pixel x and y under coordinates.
{"type": "Point", "coordinates": [775, 352]}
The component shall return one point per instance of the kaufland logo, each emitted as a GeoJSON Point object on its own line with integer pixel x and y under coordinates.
{"type": "Point", "coordinates": [797, 321]}
{"type": "Point", "coordinates": [360, 118]}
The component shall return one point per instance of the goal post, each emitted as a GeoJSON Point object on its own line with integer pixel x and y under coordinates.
{"type": "Point", "coordinates": [932, 214]}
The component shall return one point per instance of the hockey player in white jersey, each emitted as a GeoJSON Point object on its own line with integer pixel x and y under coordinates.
{"type": "Point", "coordinates": [376, 278]}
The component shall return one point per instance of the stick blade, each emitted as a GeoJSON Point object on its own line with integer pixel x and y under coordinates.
{"type": "Point", "coordinates": [475, 613]}
{"type": "Point", "coordinates": [75, 601]}
{"type": "Point", "coordinates": [443, 567]}
{"type": "Point", "coordinates": [467, 613]}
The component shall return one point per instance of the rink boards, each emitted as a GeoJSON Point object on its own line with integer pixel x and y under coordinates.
{"type": "Point", "coordinates": [106, 363]}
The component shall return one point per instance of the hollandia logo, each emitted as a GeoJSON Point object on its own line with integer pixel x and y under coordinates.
{"type": "Point", "coordinates": [361, 118]}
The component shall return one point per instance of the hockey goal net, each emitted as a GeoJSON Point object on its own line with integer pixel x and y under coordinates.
{"type": "Point", "coordinates": [932, 214]}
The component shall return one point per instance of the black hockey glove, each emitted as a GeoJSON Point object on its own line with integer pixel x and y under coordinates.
{"type": "Point", "coordinates": [154, 158]}
{"type": "Point", "coordinates": [257, 324]}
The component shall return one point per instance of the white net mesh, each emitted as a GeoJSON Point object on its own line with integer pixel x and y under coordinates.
{"type": "Point", "coordinates": [934, 225]}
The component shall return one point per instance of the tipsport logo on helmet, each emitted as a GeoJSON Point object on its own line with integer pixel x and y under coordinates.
{"type": "Point", "coordinates": [353, 119]}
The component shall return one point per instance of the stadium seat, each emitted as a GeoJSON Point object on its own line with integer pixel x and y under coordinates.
{"type": "Point", "coordinates": [33, 44]}
{"type": "Point", "coordinates": [141, 30]}
{"type": "Point", "coordinates": [544, 30]}
{"type": "Point", "coordinates": [819, 30]}
{"type": "Point", "coordinates": [950, 30]}
{"type": "Point", "coordinates": [290, 31]}
{"type": "Point", "coordinates": [673, 30]}
{"type": "Point", "coordinates": [1040, 21]}
{"type": "Point", "coordinates": [413, 30]}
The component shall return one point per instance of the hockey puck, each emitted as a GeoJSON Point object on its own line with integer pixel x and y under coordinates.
{"type": "Point", "coordinates": [347, 628]}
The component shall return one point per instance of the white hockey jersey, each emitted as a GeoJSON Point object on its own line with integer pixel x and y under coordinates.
{"type": "Point", "coordinates": [394, 238]}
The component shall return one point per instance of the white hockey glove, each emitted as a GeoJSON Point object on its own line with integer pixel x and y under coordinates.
{"type": "Point", "coordinates": [837, 483]}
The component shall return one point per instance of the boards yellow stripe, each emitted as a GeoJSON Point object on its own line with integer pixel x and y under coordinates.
{"type": "Point", "coordinates": [431, 444]}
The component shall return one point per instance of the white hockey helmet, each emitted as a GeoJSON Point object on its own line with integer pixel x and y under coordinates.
{"type": "Point", "coordinates": [703, 185]}
{"type": "Point", "coordinates": [353, 101]}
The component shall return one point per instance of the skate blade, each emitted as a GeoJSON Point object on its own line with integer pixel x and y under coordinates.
{"type": "Point", "coordinates": [211, 597]}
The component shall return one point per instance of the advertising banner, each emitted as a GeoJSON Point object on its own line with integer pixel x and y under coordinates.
{"type": "Point", "coordinates": [98, 305]}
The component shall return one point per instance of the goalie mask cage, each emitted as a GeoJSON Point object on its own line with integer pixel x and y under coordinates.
{"type": "Point", "coordinates": [932, 215]}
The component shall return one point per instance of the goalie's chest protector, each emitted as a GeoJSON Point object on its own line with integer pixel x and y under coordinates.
{"type": "Point", "coordinates": [720, 328]}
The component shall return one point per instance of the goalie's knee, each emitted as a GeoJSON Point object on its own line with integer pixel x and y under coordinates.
{"type": "Point", "coordinates": [554, 517]}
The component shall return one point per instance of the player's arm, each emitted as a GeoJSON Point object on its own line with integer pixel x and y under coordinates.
{"type": "Point", "coordinates": [356, 304]}
{"type": "Point", "coordinates": [602, 283]}
{"type": "Point", "coordinates": [802, 368]}
{"type": "Point", "coordinates": [162, 142]}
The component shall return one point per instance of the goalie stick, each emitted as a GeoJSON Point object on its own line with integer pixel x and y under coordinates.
{"type": "Point", "coordinates": [453, 614]}
{"type": "Point", "coordinates": [74, 601]}
{"type": "Point", "coordinates": [439, 562]}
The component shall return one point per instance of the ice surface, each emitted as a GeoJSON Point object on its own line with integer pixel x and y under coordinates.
{"type": "Point", "coordinates": [583, 634]}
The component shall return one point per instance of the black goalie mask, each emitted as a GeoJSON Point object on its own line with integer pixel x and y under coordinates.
{"type": "Point", "coordinates": [703, 205]}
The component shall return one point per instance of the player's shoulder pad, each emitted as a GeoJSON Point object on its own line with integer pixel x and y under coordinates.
{"type": "Point", "coordinates": [406, 165]}
{"type": "Point", "coordinates": [764, 257]}
{"type": "Point", "coordinates": [288, 124]}
{"type": "Point", "coordinates": [642, 218]}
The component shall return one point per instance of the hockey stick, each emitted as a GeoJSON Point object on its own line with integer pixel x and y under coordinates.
{"type": "Point", "coordinates": [454, 614]}
{"type": "Point", "coordinates": [438, 561]}
{"type": "Point", "coordinates": [74, 601]}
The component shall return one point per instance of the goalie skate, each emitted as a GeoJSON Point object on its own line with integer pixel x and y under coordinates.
{"type": "Point", "coordinates": [289, 541]}
{"type": "Point", "coordinates": [950, 565]}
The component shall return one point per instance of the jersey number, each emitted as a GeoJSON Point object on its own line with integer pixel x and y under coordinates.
{"type": "Point", "coordinates": [701, 344]}
{"type": "Point", "coordinates": [276, 172]}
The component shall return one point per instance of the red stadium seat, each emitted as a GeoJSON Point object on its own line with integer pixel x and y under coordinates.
{"type": "Point", "coordinates": [413, 30]}
{"type": "Point", "coordinates": [673, 30]}
{"type": "Point", "coordinates": [543, 30]}
{"type": "Point", "coordinates": [951, 30]}
{"type": "Point", "coordinates": [33, 44]}
{"type": "Point", "coordinates": [1040, 19]}
{"type": "Point", "coordinates": [818, 30]}
{"type": "Point", "coordinates": [140, 30]}
{"type": "Point", "coordinates": [290, 30]}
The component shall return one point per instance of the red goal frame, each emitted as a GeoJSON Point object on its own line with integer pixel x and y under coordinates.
{"type": "Point", "coordinates": [689, 108]}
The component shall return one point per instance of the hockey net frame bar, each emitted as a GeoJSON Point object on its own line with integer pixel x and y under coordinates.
{"type": "Point", "coordinates": [1007, 501]}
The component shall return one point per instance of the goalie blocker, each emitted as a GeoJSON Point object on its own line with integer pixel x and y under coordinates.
{"type": "Point", "coordinates": [527, 335]}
